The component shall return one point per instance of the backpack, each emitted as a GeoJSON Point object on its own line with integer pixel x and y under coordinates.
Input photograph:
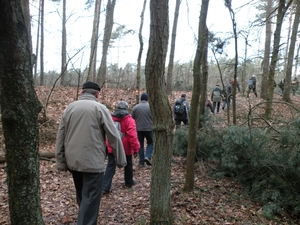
{"type": "Point", "coordinates": [118, 127]}
{"type": "Point", "coordinates": [217, 96]}
{"type": "Point", "coordinates": [250, 82]}
{"type": "Point", "coordinates": [179, 107]}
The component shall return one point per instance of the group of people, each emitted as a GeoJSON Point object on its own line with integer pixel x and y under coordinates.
{"type": "Point", "coordinates": [87, 134]}
{"type": "Point", "coordinates": [294, 85]}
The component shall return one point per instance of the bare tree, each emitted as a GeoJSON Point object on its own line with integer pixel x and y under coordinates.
{"type": "Point", "coordinates": [109, 22]}
{"type": "Point", "coordinates": [94, 42]}
{"type": "Point", "coordinates": [193, 124]}
{"type": "Point", "coordinates": [163, 124]}
{"type": "Point", "coordinates": [290, 59]}
{"type": "Point", "coordinates": [282, 7]}
{"type": "Point", "coordinates": [64, 47]}
{"type": "Point", "coordinates": [42, 43]}
{"type": "Point", "coordinates": [266, 60]}
{"type": "Point", "coordinates": [19, 114]}
{"type": "Point", "coordinates": [138, 69]}
{"type": "Point", "coordinates": [172, 49]}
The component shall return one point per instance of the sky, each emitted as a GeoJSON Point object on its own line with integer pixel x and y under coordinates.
{"type": "Point", "coordinates": [127, 12]}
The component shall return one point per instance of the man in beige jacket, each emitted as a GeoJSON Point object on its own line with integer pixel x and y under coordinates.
{"type": "Point", "coordinates": [80, 148]}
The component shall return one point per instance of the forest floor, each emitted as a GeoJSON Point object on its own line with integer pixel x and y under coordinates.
{"type": "Point", "coordinates": [211, 202]}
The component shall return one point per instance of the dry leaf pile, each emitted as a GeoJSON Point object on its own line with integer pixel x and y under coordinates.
{"type": "Point", "coordinates": [211, 202]}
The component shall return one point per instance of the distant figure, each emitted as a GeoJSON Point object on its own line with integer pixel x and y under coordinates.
{"type": "Point", "coordinates": [295, 85]}
{"type": "Point", "coordinates": [237, 84]}
{"type": "Point", "coordinates": [281, 86]}
{"type": "Point", "coordinates": [227, 95]}
{"type": "Point", "coordinates": [131, 147]}
{"type": "Point", "coordinates": [142, 115]}
{"type": "Point", "coordinates": [181, 111]}
{"type": "Point", "coordinates": [252, 85]}
{"type": "Point", "coordinates": [81, 149]}
{"type": "Point", "coordinates": [216, 97]}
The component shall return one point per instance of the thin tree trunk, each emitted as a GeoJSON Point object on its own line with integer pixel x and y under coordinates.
{"type": "Point", "coordinates": [109, 22]}
{"type": "Point", "coordinates": [94, 42]}
{"type": "Point", "coordinates": [172, 50]}
{"type": "Point", "coordinates": [297, 58]}
{"type": "Point", "coordinates": [289, 67]}
{"type": "Point", "coordinates": [280, 15]}
{"type": "Point", "coordinates": [163, 124]}
{"type": "Point", "coordinates": [19, 116]}
{"type": "Point", "coordinates": [42, 44]}
{"type": "Point", "coordinates": [193, 123]}
{"type": "Point", "coordinates": [266, 61]}
{"type": "Point", "coordinates": [138, 69]}
{"type": "Point", "coordinates": [37, 42]}
{"type": "Point", "coordinates": [64, 47]}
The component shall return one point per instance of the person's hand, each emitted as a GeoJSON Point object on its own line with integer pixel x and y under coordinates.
{"type": "Point", "coordinates": [135, 154]}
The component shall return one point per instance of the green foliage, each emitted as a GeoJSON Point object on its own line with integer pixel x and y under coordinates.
{"type": "Point", "coordinates": [267, 164]}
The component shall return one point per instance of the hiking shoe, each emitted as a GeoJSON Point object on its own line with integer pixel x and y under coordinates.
{"type": "Point", "coordinates": [148, 161]}
{"type": "Point", "coordinates": [105, 192]}
{"type": "Point", "coordinates": [133, 183]}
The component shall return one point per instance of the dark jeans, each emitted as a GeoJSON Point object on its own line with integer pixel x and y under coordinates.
{"type": "Point", "coordinates": [218, 106]}
{"type": "Point", "coordinates": [149, 139]}
{"type": "Point", "coordinates": [88, 193]}
{"type": "Point", "coordinates": [111, 170]}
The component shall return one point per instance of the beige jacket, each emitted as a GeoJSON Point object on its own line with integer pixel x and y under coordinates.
{"type": "Point", "coordinates": [83, 128]}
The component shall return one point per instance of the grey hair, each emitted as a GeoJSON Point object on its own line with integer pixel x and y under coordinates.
{"type": "Point", "coordinates": [89, 90]}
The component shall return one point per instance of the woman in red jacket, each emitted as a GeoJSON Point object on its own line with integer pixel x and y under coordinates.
{"type": "Point", "coordinates": [131, 147]}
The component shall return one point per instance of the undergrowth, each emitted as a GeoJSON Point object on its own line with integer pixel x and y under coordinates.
{"type": "Point", "coordinates": [265, 161]}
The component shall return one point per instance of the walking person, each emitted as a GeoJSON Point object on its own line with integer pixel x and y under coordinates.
{"type": "Point", "coordinates": [142, 115]}
{"type": "Point", "coordinates": [181, 111]}
{"type": "Point", "coordinates": [81, 149]}
{"type": "Point", "coordinates": [252, 85]}
{"type": "Point", "coordinates": [216, 97]}
{"type": "Point", "coordinates": [131, 147]}
{"type": "Point", "coordinates": [227, 95]}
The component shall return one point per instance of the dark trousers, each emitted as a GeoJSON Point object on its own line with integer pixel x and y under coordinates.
{"type": "Point", "coordinates": [149, 139]}
{"type": "Point", "coordinates": [111, 170]}
{"type": "Point", "coordinates": [216, 104]}
{"type": "Point", "coordinates": [88, 193]}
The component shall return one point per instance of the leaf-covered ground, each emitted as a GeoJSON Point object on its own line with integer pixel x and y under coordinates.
{"type": "Point", "coordinates": [211, 202]}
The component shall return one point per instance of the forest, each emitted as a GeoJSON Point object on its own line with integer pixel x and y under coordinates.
{"type": "Point", "coordinates": [240, 166]}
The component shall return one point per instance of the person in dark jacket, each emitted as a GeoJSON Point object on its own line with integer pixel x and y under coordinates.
{"type": "Point", "coordinates": [227, 95]}
{"type": "Point", "coordinates": [131, 147]}
{"type": "Point", "coordinates": [142, 115]}
{"type": "Point", "coordinates": [295, 85]}
{"type": "Point", "coordinates": [252, 85]}
{"type": "Point", "coordinates": [281, 86]}
{"type": "Point", "coordinates": [216, 97]}
{"type": "Point", "coordinates": [184, 117]}
{"type": "Point", "coordinates": [81, 149]}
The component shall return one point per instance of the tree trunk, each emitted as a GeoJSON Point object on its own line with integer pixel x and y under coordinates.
{"type": "Point", "coordinates": [64, 47]}
{"type": "Point", "coordinates": [37, 43]}
{"type": "Point", "coordinates": [266, 60]}
{"type": "Point", "coordinates": [163, 125]}
{"type": "Point", "coordinates": [109, 22]}
{"type": "Point", "coordinates": [286, 94]}
{"type": "Point", "coordinates": [172, 49]}
{"type": "Point", "coordinates": [203, 83]}
{"type": "Point", "coordinates": [20, 109]}
{"type": "Point", "coordinates": [201, 48]}
{"type": "Point", "coordinates": [138, 69]}
{"type": "Point", "coordinates": [42, 44]}
{"type": "Point", "coordinates": [94, 42]}
{"type": "Point", "coordinates": [280, 15]}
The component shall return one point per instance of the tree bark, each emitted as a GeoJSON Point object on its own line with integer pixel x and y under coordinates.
{"type": "Point", "coordinates": [280, 15]}
{"type": "Point", "coordinates": [94, 42]}
{"type": "Point", "coordinates": [191, 151]}
{"type": "Point", "coordinates": [109, 22]}
{"type": "Point", "coordinates": [64, 47]}
{"type": "Point", "coordinates": [20, 109]}
{"type": "Point", "coordinates": [172, 49]}
{"type": "Point", "coordinates": [42, 43]}
{"type": "Point", "coordinates": [163, 125]}
{"type": "Point", "coordinates": [287, 90]}
{"type": "Point", "coordinates": [266, 60]}
{"type": "Point", "coordinates": [138, 67]}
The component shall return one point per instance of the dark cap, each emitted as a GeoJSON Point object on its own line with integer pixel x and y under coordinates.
{"type": "Point", "coordinates": [183, 96]}
{"type": "Point", "coordinates": [91, 85]}
{"type": "Point", "coordinates": [144, 96]}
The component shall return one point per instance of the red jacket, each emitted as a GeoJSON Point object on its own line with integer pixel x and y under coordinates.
{"type": "Point", "coordinates": [130, 140]}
